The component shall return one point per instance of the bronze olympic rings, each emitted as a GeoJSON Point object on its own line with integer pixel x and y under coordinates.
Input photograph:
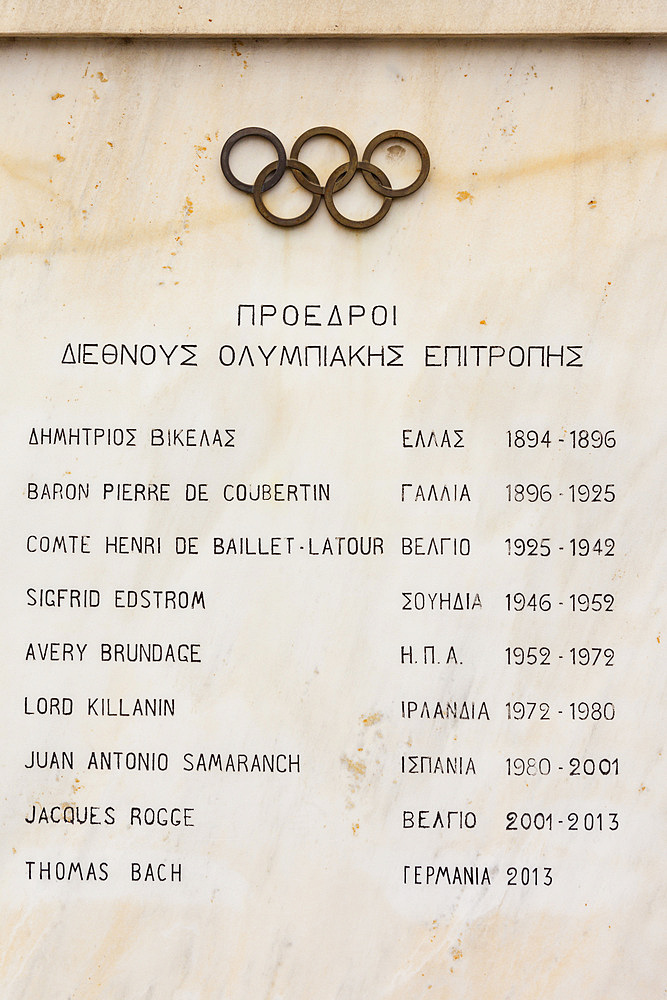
{"type": "Point", "coordinates": [339, 178]}
{"type": "Point", "coordinates": [243, 133]}
{"type": "Point", "coordinates": [367, 168]}
{"type": "Point", "coordinates": [261, 185]}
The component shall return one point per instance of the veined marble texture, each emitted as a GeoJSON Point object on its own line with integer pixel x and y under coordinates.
{"type": "Point", "coordinates": [277, 820]}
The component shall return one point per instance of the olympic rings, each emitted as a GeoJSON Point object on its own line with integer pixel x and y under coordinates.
{"type": "Point", "coordinates": [386, 189]}
{"type": "Point", "coordinates": [351, 165]}
{"type": "Point", "coordinates": [243, 133]}
{"type": "Point", "coordinates": [339, 178]}
{"type": "Point", "coordinates": [296, 167]}
{"type": "Point", "coordinates": [330, 187]}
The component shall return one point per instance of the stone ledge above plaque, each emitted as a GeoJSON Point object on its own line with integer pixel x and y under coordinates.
{"type": "Point", "coordinates": [263, 18]}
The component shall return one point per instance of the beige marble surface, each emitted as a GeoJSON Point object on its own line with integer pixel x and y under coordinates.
{"type": "Point", "coordinates": [541, 224]}
{"type": "Point", "coordinates": [349, 17]}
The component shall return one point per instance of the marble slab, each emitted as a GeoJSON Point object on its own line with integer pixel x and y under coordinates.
{"type": "Point", "coordinates": [397, 732]}
{"type": "Point", "coordinates": [350, 17]}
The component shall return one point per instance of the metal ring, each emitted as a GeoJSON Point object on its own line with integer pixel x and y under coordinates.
{"type": "Point", "coordinates": [258, 188]}
{"type": "Point", "coordinates": [423, 173]}
{"type": "Point", "coordinates": [329, 187]}
{"type": "Point", "coordinates": [263, 133]}
{"type": "Point", "coordinates": [353, 159]}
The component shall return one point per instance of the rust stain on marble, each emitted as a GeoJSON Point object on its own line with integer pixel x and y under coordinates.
{"type": "Point", "coordinates": [236, 51]}
{"type": "Point", "coordinates": [593, 154]}
{"type": "Point", "coordinates": [497, 970]}
{"type": "Point", "coordinates": [188, 209]}
{"type": "Point", "coordinates": [357, 767]}
{"type": "Point", "coordinates": [114, 945]}
{"type": "Point", "coordinates": [534, 166]}
{"type": "Point", "coordinates": [67, 236]}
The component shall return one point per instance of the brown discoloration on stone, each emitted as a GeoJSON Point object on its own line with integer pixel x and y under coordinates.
{"type": "Point", "coordinates": [356, 767]}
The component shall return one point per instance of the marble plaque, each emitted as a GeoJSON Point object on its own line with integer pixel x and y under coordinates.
{"type": "Point", "coordinates": [334, 558]}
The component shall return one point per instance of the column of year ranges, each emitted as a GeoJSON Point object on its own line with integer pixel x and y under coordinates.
{"type": "Point", "coordinates": [565, 483]}
{"type": "Point", "coordinates": [556, 503]}
{"type": "Point", "coordinates": [585, 450]}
